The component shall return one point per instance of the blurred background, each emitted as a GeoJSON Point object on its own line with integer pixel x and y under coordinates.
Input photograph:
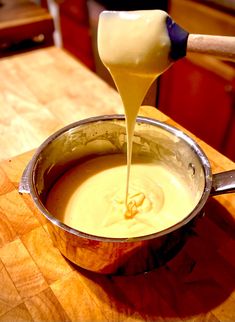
{"type": "Point", "coordinates": [198, 91]}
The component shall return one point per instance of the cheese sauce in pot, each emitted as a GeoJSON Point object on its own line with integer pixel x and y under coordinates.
{"type": "Point", "coordinates": [102, 196]}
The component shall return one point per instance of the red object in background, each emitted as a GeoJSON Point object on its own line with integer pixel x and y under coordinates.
{"type": "Point", "coordinates": [229, 140]}
{"type": "Point", "coordinates": [76, 39]}
{"type": "Point", "coordinates": [202, 102]}
{"type": "Point", "coordinates": [76, 30]}
{"type": "Point", "coordinates": [43, 4]}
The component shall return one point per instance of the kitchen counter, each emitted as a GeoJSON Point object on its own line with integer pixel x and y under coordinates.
{"type": "Point", "coordinates": [38, 284]}
{"type": "Point", "coordinates": [44, 90]}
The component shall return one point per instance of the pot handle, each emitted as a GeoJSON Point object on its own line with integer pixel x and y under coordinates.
{"type": "Point", "coordinates": [24, 181]}
{"type": "Point", "coordinates": [223, 182]}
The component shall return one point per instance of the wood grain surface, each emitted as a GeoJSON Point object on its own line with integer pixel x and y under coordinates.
{"type": "Point", "coordinates": [44, 90]}
{"type": "Point", "coordinates": [38, 284]}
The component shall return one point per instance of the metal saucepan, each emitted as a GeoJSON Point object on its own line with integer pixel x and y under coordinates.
{"type": "Point", "coordinates": [104, 135]}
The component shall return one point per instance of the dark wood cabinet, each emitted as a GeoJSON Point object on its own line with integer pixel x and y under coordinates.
{"type": "Point", "coordinates": [202, 101]}
{"type": "Point", "coordinates": [199, 91]}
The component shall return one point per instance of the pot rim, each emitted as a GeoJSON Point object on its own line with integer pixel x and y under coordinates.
{"type": "Point", "coordinates": [140, 119]}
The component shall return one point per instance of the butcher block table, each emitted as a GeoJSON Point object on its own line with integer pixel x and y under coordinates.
{"type": "Point", "coordinates": [38, 284]}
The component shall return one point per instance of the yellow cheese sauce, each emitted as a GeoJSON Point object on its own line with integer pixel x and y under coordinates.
{"type": "Point", "coordinates": [102, 196]}
{"type": "Point", "coordinates": [91, 197]}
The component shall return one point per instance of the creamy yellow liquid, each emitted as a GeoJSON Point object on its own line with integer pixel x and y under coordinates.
{"type": "Point", "coordinates": [135, 47]}
{"type": "Point", "coordinates": [101, 196]}
{"type": "Point", "coordinates": [91, 197]}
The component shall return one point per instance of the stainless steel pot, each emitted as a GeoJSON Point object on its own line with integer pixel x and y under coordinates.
{"type": "Point", "coordinates": [105, 135]}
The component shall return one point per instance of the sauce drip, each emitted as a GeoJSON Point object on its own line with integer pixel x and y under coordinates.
{"type": "Point", "coordinates": [135, 48]}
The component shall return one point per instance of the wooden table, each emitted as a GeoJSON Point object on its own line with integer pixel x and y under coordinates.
{"type": "Point", "coordinates": [37, 283]}
{"type": "Point", "coordinates": [44, 90]}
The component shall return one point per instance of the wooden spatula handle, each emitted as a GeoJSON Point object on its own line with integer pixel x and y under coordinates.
{"type": "Point", "coordinates": [219, 46]}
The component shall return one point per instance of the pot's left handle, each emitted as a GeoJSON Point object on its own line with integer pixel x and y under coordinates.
{"type": "Point", "coordinates": [223, 182]}
{"type": "Point", "coordinates": [24, 181]}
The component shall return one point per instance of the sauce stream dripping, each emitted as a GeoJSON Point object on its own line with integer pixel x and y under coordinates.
{"type": "Point", "coordinates": [135, 47]}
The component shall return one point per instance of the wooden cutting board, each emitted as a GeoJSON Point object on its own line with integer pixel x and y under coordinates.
{"type": "Point", "coordinates": [38, 284]}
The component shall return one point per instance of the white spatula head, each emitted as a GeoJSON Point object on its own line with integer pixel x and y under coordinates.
{"type": "Point", "coordinates": [137, 40]}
